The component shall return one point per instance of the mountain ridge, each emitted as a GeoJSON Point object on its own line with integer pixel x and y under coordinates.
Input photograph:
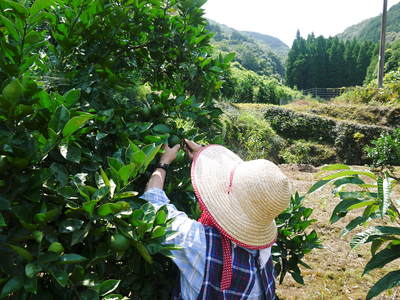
{"type": "Point", "coordinates": [369, 29]}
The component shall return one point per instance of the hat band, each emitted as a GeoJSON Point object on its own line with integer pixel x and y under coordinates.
{"type": "Point", "coordinates": [229, 190]}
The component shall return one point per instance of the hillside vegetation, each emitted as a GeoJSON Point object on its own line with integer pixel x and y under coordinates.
{"type": "Point", "coordinates": [253, 55]}
{"type": "Point", "coordinates": [369, 30]}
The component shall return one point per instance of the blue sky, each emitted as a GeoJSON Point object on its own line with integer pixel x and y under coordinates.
{"type": "Point", "coordinates": [282, 18]}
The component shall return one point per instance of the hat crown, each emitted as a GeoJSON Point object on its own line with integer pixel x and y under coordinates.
{"type": "Point", "coordinates": [261, 189]}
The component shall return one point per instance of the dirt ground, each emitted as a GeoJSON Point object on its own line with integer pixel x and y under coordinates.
{"type": "Point", "coordinates": [336, 269]}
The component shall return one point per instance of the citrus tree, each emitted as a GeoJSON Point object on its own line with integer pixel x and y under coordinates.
{"type": "Point", "coordinates": [89, 90]}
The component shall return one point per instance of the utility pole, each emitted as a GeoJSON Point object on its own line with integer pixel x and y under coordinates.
{"type": "Point", "coordinates": [382, 47]}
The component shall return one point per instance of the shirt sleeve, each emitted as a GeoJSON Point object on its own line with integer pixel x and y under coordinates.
{"type": "Point", "coordinates": [190, 236]}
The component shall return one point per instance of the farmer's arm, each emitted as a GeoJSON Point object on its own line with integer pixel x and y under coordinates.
{"type": "Point", "coordinates": [189, 233]}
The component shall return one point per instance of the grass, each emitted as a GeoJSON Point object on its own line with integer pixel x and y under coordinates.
{"type": "Point", "coordinates": [336, 269]}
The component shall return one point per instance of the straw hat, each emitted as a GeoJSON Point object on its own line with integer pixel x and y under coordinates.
{"type": "Point", "coordinates": [243, 197]}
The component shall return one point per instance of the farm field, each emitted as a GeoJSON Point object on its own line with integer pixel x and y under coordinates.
{"type": "Point", "coordinates": [336, 270]}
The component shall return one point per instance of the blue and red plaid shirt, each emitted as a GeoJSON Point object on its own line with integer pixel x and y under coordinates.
{"type": "Point", "coordinates": [200, 260]}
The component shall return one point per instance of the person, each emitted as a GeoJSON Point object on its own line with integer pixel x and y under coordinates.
{"type": "Point", "coordinates": [226, 254]}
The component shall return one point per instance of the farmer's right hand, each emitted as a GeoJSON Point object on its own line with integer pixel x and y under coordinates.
{"type": "Point", "coordinates": [191, 148]}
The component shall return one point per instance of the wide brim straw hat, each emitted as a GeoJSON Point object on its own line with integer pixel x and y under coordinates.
{"type": "Point", "coordinates": [242, 197]}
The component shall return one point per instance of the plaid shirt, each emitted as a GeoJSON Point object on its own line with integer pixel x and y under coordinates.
{"type": "Point", "coordinates": [196, 280]}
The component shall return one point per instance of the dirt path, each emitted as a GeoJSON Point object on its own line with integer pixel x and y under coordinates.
{"type": "Point", "coordinates": [337, 271]}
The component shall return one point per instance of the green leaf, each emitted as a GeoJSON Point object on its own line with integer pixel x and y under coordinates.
{"type": "Point", "coordinates": [71, 97]}
{"type": "Point", "coordinates": [72, 258]}
{"type": "Point", "coordinates": [229, 57]}
{"type": "Point", "coordinates": [162, 128]}
{"type": "Point", "coordinates": [59, 118]}
{"type": "Point", "coordinates": [341, 209]}
{"type": "Point", "coordinates": [375, 245]}
{"type": "Point", "coordinates": [138, 157]}
{"type": "Point", "coordinates": [71, 153]}
{"type": "Point", "coordinates": [18, 7]}
{"type": "Point", "coordinates": [335, 167]}
{"type": "Point", "coordinates": [104, 177]}
{"type": "Point", "coordinates": [76, 123]}
{"type": "Point", "coordinates": [143, 252]}
{"type": "Point", "coordinates": [112, 208]}
{"type": "Point", "coordinates": [317, 186]}
{"type": "Point", "coordinates": [47, 216]}
{"type": "Point", "coordinates": [39, 5]}
{"type": "Point", "coordinates": [2, 221]}
{"type": "Point", "coordinates": [373, 233]}
{"type": "Point", "coordinates": [100, 193]}
{"type": "Point", "coordinates": [353, 224]}
{"type": "Point", "coordinates": [13, 285]}
{"type": "Point", "coordinates": [349, 173]}
{"type": "Point", "coordinates": [382, 258]}
{"type": "Point", "coordinates": [161, 217]}
{"type": "Point", "coordinates": [32, 269]}
{"type": "Point", "coordinates": [89, 206]}
{"type": "Point", "coordinates": [108, 286]}
{"type": "Point", "coordinates": [70, 225]}
{"type": "Point", "coordinates": [137, 217]}
{"type": "Point", "coordinates": [126, 195]}
{"type": "Point", "coordinates": [22, 252]}
{"type": "Point", "coordinates": [390, 280]}
{"type": "Point", "coordinates": [127, 172]}
{"type": "Point", "coordinates": [60, 275]}
{"type": "Point", "coordinates": [10, 27]}
{"type": "Point", "coordinates": [151, 152]}
{"type": "Point", "coordinates": [158, 231]}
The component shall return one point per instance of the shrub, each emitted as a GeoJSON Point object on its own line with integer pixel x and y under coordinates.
{"type": "Point", "coordinates": [306, 152]}
{"type": "Point", "coordinates": [295, 239]}
{"type": "Point", "coordinates": [344, 136]}
{"type": "Point", "coordinates": [295, 125]}
{"type": "Point", "coordinates": [371, 193]}
{"type": "Point", "coordinates": [251, 136]}
{"type": "Point", "coordinates": [385, 150]}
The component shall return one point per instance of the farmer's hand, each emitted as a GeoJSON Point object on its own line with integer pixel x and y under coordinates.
{"type": "Point", "coordinates": [169, 154]}
{"type": "Point", "coordinates": [191, 148]}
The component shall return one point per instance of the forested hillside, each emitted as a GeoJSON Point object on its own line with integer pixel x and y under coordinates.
{"type": "Point", "coordinates": [369, 30]}
{"type": "Point", "coordinates": [328, 62]}
{"type": "Point", "coordinates": [279, 47]}
{"type": "Point", "coordinates": [251, 54]}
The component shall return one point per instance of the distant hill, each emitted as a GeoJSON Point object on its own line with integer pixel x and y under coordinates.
{"type": "Point", "coordinates": [276, 45]}
{"type": "Point", "coordinates": [369, 30]}
{"type": "Point", "coordinates": [252, 53]}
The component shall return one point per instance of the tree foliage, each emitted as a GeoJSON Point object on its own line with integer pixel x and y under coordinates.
{"type": "Point", "coordinates": [371, 193]}
{"type": "Point", "coordinates": [327, 63]}
{"type": "Point", "coordinates": [89, 90]}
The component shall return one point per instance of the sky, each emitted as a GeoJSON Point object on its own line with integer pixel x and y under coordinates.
{"type": "Point", "coordinates": [282, 18]}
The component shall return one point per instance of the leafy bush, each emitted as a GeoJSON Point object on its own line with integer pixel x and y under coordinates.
{"type": "Point", "coordinates": [251, 136]}
{"type": "Point", "coordinates": [347, 138]}
{"type": "Point", "coordinates": [370, 93]}
{"type": "Point", "coordinates": [306, 152]}
{"type": "Point", "coordinates": [294, 239]}
{"type": "Point", "coordinates": [373, 193]}
{"type": "Point", "coordinates": [385, 150]}
{"type": "Point", "coordinates": [253, 88]}
{"type": "Point", "coordinates": [89, 90]}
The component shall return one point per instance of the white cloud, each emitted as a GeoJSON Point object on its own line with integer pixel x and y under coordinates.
{"type": "Point", "coordinates": [282, 18]}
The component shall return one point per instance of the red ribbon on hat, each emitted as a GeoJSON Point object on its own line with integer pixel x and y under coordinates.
{"type": "Point", "coordinates": [207, 219]}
